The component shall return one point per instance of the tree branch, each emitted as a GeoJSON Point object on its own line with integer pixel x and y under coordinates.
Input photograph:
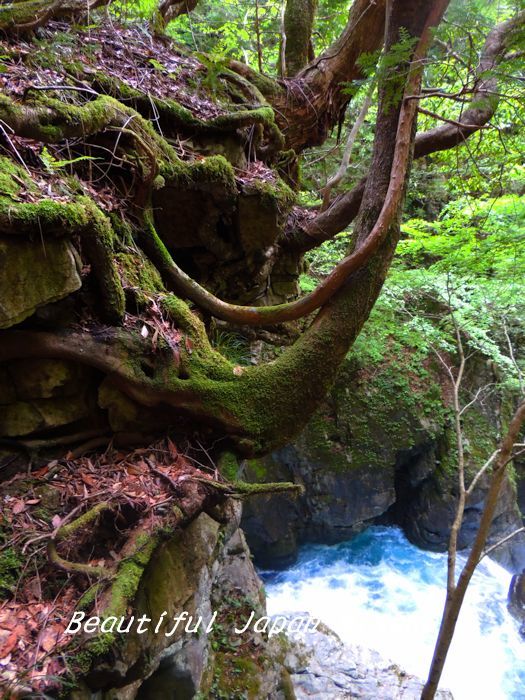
{"type": "Point", "coordinates": [483, 106]}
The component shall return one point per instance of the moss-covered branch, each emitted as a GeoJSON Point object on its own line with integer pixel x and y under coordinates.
{"type": "Point", "coordinates": [73, 567]}
{"type": "Point", "coordinates": [187, 287]}
{"type": "Point", "coordinates": [175, 117]}
{"type": "Point", "coordinates": [64, 532]}
{"type": "Point", "coordinates": [243, 489]}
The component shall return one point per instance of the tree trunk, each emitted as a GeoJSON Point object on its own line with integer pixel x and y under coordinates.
{"type": "Point", "coordinates": [197, 381]}
{"type": "Point", "coordinates": [299, 19]}
{"type": "Point", "coordinates": [312, 103]}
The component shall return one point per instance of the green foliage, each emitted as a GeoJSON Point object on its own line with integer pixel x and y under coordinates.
{"type": "Point", "coordinates": [52, 164]}
{"type": "Point", "coordinates": [10, 567]}
{"type": "Point", "coordinates": [232, 346]}
{"type": "Point", "coordinates": [484, 237]}
{"type": "Point", "coordinates": [470, 261]}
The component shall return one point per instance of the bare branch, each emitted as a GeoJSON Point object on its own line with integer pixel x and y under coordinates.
{"type": "Point", "coordinates": [497, 544]}
{"type": "Point", "coordinates": [352, 136]}
{"type": "Point", "coordinates": [482, 471]}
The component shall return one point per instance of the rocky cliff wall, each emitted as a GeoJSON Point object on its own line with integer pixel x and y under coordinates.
{"type": "Point", "coordinates": [380, 450]}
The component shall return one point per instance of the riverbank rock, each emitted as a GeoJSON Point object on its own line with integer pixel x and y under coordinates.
{"type": "Point", "coordinates": [516, 600]}
{"type": "Point", "coordinates": [380, 450]}
{"type": "Point", "coordinates": [322, 667]}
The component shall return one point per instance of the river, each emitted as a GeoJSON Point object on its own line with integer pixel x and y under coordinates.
{"type": "Point", "coordinates": [380, 591]}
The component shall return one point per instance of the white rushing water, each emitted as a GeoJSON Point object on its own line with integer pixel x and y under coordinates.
{"type": "Point", "coordinates": [380, 591]}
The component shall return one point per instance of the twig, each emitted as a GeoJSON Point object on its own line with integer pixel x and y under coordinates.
{"type": "Point", "coordinates": [460, 125]}
{"type": "Point", "coordinates": [502, 541]}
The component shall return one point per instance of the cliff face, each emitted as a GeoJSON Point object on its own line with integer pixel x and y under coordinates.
{"type": "Point", "coordinates": [381, 451]}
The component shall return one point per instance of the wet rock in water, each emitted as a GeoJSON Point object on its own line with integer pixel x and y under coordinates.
{"type": "Point", "coordinates": [321, 666]}
{"type": "Point", "coordinates": [516, 600]}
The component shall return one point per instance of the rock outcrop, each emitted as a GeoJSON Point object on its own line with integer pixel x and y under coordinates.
{"type": "Point", "coordinates": [322, 667]}
{"type": "Point", "coordinates": [516, 601]}
{"type": "Point", "coordinates": [34, 274]}
{"type": "Point", "coordinates": [380, 450]}
{"type": "Point", "coordinates": [207, 569]}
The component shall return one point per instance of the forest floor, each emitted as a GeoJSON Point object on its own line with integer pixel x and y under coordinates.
{"type": "Point", "coordinates": [139, 487]}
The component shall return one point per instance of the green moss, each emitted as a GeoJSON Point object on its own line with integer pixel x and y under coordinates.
{"type": "Point", "coordinates": [137, 271]}
{"type": "Point", "coordinates": [13, 177]}
{"type": "Point", "coordinates": [257, 469]}
{"type": "Point", "coordinates": [129, 574]}
{"type": "Point", "coordinates": [48, 215]}
{"type": "Point", "coordinates": [287, 685]}
{"type": "Point", "coordinates": [277, 192]}
{"type": "Point", "coordinates": [235, 678]}
{"type": "Point", "coordinates": [10, 568]}
{"type": "Point", "coordinates": [215, 170]}
{"type": "Point", "coordinates": [121, 594]}
{"type": "Point", "coordinates": [228, 466]}
{"type": "Point", "coordinates": [82, 521]}
{"type": "Point", "coordinates": [89, 597]}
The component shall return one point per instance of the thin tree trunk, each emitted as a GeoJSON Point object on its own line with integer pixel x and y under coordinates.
{"type": "Point", "coordinates": [299, 19]}
{"type": "Point", "coordinates": [455, 599]}
{"type": "Point", "coordinates": [258, 37]}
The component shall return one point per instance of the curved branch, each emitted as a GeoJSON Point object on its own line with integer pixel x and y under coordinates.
{"type": "Point", "coordinates": [184, 285]}
{"type": "Point", "coordinates": [65, 531]}
{"type": "Point", "coordinates": [484, 100]}
{"type": "Point", "coordinates": [73, 567]}
{"type": "Point", "coordinates": [169, 10]}
{"type": "Point", "coordinates": [483, 106]}
{"type": "Point", "coordinates": [244, 489]}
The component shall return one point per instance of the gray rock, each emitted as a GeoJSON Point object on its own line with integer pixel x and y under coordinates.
{"type": "Point", "coordinates": [322, 667]}
{"type": "Point", "coordinates": [516, 600]}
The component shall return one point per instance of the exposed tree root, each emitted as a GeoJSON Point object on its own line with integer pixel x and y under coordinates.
{"type": "Point", "coordinates": [175, 118]}
{"type": "Point", "coordinates": [73, 567]}
{"type": "Point", "coordinates": [243, 489]}
{"type": "Point", "coordinates": [24, 16]}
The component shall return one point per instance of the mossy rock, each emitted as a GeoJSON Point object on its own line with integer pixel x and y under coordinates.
{"type": "Point", "coordinates": [45, 379]}
{"type": "Point", "coordinates": [23, 418]}
{"type": "Point", "coordinates": [34, 274]}
{"type": "Point", "coordinates": [235, 678]}
{"type": "Point", "coordinates": [138, 272]}
{"type": "Point", "coordinates": [261, 208]}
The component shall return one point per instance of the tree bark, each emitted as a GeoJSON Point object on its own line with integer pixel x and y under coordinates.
{"type": "Point", "coordinates": [299, 19]}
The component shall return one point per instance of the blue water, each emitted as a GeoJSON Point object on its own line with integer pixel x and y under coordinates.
{"type": "Point", "coordinates": [382, 592]}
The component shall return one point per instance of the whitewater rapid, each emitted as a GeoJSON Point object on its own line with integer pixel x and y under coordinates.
{"type": "Point", "coordinates": [382, 592]}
